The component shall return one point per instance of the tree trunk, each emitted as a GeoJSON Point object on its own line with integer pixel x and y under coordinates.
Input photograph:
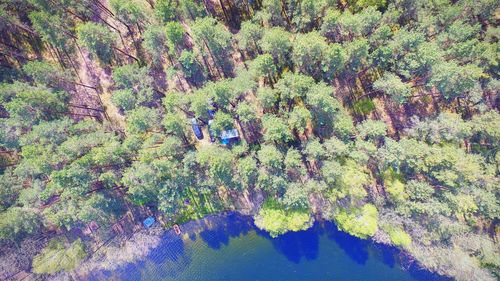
{"type": "Point", "coordinates": [283, 11]}
{"type": "Point", "coordinates": [224, 11]}
{"type": "Point", "coordinates": [213, 59]}
{"type": "Point", "coordinates": [127, 54]}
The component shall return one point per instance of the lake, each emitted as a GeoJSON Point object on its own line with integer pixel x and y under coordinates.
{"type": "Point", "coordinates": [230, 247]}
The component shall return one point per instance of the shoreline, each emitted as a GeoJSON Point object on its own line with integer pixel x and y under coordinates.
{"type": "Point", "coordinates": [113, 258]}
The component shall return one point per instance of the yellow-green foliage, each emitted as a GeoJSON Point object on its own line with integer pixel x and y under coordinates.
{"type": "Point", "coordinates": [363, 106]}
{"type": "Point", "coordinates": [359, 4]}
{"type": "Point", "coordinates": [57, 257]}
{"type": "Point", "coordinates": [360, 222]}
{"type": "Point", "coordinates": [354, 179]}
{"type": "Point", "coordinates": [352, 182]}
{"type": "Point", "coordinates": [464, 205]}
{"type": "Point", "coordinates": [278, 221]}
{"type": "Point", "coordinates": [399, 237]}
{"type": "Point", "coordinates": [394, 185]}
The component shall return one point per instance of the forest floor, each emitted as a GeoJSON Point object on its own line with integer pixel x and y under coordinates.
{"type": "Point", "coordinates": [93, 74]}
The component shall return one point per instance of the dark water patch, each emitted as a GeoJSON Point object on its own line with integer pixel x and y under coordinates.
{"type": "Point", "coordinates": [295, 246]}
{"type": "Point", "coordinates": [355, 248]}
{"type": "Point", "coordinates": [215, 238]}
{"type": "Point", "coordinates": [231, 226]}
{"type": "Point", "coordinates": [389, 255]}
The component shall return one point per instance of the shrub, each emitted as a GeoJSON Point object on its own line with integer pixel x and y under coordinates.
{"type": "Point", "coordinates": [277, 221]}
{"type": "Point", "coordinates": [359, 222]}
{"type": "Point", "coordinates": [394, 185]}
{"type": "Point", "coordinates": [363, 106]}
{"type": "Point", "coordinates": [57, 257]}
{"type": "Point", "coordinates": [399, 237]}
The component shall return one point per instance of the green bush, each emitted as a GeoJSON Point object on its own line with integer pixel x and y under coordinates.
{"type": "Point", "coordinates": [363, 106]}
{"type": "Point", "coordinates": [359, 222]}
{"type": "Point", "coordinates": [399, 237]}
{"type": "Point", "coordinates": [58, 256]}
{"type": "Point", "coordinates": [393, 183]}
{"type": "Point", "coordinates": [277, 221]}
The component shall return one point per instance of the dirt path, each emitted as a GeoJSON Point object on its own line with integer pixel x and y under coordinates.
{"type": "Point", "coordinates": [92, 74]}
{"type": "Point", "coordinates": [380, 113]}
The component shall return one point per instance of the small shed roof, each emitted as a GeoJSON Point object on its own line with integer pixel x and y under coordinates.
{"type": "Point", "coordinates": [148, 222]}
{"type": "Point", "coordinates": [229, 134]}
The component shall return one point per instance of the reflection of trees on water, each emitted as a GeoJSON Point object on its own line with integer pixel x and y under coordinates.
{"type": "Point", "coordinates": [218, 231]}
{"type": "Point", "coordinates": [169, 259]}
{"type": "Point", "coordinates": [355, 248]}
{"type": "Point", "coordinates": [173, 257]}
{"type": "Point", "coordinates": [171, 248]}
{"type": "Point", "coordinates": [221, 228]}
{"type": "Point", "coordinates": [296, 245]}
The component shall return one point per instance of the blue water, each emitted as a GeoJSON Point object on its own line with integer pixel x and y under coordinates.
{"type": "Point", "coordinates": [229, 247]}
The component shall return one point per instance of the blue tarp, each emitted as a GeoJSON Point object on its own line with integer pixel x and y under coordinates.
{"type": "Point", "coordinates": [196, 129]}
{"type": "Point", "coordinates": [148, 222]}
{"type": "Point", "coordinates": [211, 113]}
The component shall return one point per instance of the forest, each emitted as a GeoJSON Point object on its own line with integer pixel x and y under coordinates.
{"type": "Point", "coordinates": [379, 115]}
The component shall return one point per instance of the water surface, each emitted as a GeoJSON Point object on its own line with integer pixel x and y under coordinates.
{"type": "Point", "coordinates": [229, 247]}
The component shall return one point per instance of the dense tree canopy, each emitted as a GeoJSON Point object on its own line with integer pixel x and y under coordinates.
{"type": "Point", "coordinates": [379, 115]}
